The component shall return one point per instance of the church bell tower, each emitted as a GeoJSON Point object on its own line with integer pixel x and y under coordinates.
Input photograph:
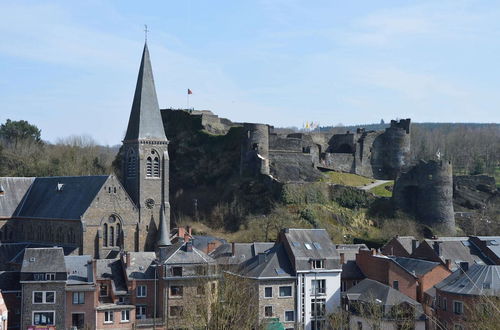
{"type": "Point", "coordinates": [145, 162]}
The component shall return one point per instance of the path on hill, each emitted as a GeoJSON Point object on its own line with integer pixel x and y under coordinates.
{"type": "Point", "coordinates": [373, 185]}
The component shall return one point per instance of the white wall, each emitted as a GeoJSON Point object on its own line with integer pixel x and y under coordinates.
{"type": "Point", "coordinates": [384, 325]}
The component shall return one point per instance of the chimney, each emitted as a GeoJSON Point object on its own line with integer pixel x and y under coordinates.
{"type": "Point", "coordinates": [189, 229]}
{"type": "Point", "coordinates": [262, 257]}
{"type": "Point", "coordinates": [233, 249]}
{"type": "Point", "coordinates": [342, 258]}
{"type": "Point", "coordinates": [436, 248]}
{"type": "Point", "coordinates": [464, 266]}
{"type": "Point", "coordinates": [186, 237]}
{"type": "Point", "coordinates": [373, 252]}
{"type": "Point", "coordinates": [210, 247]}
{"type": "Point", "coordinates": [414, 245]}
{"type": "Point", "coordinates": [448, 263]}
{"type": "Point", "coordinates": [189, 247]}
{"type": "Point", "coordinates": [180, 232]}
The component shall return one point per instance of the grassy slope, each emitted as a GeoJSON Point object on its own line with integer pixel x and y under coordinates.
{"type": "Point", "coordinates": [382, 190]}
{"type": "Point", "coordinates": [347, 179]}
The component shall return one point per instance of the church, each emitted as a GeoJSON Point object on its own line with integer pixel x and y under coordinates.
{"type": "Point", "coordinates": [100, 215]}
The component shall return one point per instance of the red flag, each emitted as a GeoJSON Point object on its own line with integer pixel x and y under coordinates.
{"type": "Point", "coordinates": [189, 92]}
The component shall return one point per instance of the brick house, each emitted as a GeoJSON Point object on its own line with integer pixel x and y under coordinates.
{"type": "Point", "coordinates": [410, 276]}
{"type": "Point", "coordinates": [351, 274]}
{"type": "Point", "coordinates": [11, 292]}
{"type": "Point", "coordinates": [457, 295]}
{"type": "Point", "coordinates": [400, 246]}
{"type": "Point", "coordinates": [43, 278]}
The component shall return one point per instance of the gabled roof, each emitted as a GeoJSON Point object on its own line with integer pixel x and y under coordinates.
{"type": "Point", "coordinates": [404, 241]}
{"type": "Point", "coordinates": [309, 244]}
{"type": "Point", "coordinates": [370, 291]}
{"type": "Point", "coordinates": [12, 191]}
{"type": "Point", "coordinates": [456, 249]}
{"type": "Point", "coordinates": [272, 263]}
{"type": "Point", "coordinates": [141, 265]}
{"type": "Point", "coordinates": [243, 252]}
{"type": "Point", "coordinates": [178, 254]}
{"type": "Point", "coordinates": [79, 269]}
{"type": "Point", "coordinates": [44, 260]}
{"type": "Point", "coordinates": [145, 121]}
{"type": "Point", "coordinates": [415, 266]}
{"type": "Point", "coordinates": [70, 201]}
{"type": "Point", "coordinates": [350, 270]}
{"type": "Point", "coordinates": [477, 280]}
{"type": "Point", "coordinates": [13, 253]}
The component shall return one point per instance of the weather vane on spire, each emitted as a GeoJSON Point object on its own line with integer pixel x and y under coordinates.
{"type": "Point", "coordinates": [146, 33]}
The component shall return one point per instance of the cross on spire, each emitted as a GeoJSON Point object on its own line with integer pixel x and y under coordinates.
{"type": "Point", "coordinates": [146, 32]}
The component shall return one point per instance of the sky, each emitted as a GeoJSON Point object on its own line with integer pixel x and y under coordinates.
{"type": "Point", "coordinates": [70, 67]}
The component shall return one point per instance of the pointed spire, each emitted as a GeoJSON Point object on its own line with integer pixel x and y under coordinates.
{"type": "Point", "coordinates": [163, 230]}
{"type": "Point", "coordinates": [145, 119]}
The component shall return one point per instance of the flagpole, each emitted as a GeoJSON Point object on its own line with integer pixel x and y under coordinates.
{"type": "Point", "coordinates": [187, 100]}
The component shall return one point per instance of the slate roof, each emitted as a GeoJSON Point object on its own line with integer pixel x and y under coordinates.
{"type": "Point", "coordinates": [272, 263]}
{"type": "Point", "coordinates": [201, 241]}
{"type": "Point", "coordinates": [13, 253]}
{"type": "Point", "coordinates": [112, 269]}
{"type": "Point", "coordinates": [12, 191]}
{"type": "Point", "coordinates": [145, 121]}
{"type": "Point", "coordinates": [492, 243]}
{"type": "Point", "coordinates": [370, 291]}
{"type": "Point", "coordinates": [79, 269]}
{"type": "Point", "coordinates": [350, 270]}
{"type": "Point", "coordinates": [456, 249]}
{"type": "Point", "coordinates": [415, 266]}
{"type": "Point", "coordinates": [9, 281]}
{"type": "Point", "coordinates": [350, 250]}
{"type": "Point", "coordinates": [477, 280]}
{"type": "Point", "coordinates": [177, 254]}
{"type": "Point", "coordinates": [404, 241]}
{"type": "Point", "coordinates": [43, 200]}
{"type": "Point", "coordinates": [307, 244]}
{"type": "Point", "coordinates": [43, 260]}
{"type": "Point", "coordinates": [243, 252]}
{"type": "Point", "coordinates": [140, 265]}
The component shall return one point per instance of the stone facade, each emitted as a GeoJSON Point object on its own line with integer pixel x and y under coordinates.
{"type": "Point", "coordinates": [276, 302]}
{"type": "Point", "coordinates": [29, 307]}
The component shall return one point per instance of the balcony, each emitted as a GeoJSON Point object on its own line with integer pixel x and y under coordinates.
{"type": "Point", "coordinates": [148, 323]}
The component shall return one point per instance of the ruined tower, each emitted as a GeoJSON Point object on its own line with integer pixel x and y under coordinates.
{"type": "Point", "coordinates": [145, 163]}
{"type": "Point", "coordinates": [255, 149]}
{"type": "Point", "coordinates": [426, 191]}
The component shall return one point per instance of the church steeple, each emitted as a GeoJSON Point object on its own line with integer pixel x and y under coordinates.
{"type": "Point", "coordinates": [145, 119]}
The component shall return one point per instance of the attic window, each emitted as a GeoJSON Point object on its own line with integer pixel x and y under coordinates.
{"type": "Point", "coordinates": [308, 246]}
{"type": "Point", "coordinates": [317, 245]}
{"type": "Point", "coordinates": [486, 286]}
{"type": "Point", "coordinates": [32, 259]}
{"type": "Point", "coordinates": [279, 271]}
{"type": "Point", "coordinates": [296, 244]}
{"type": "Point", "coordinates": [60, 186]}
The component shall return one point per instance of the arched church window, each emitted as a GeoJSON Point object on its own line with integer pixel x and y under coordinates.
{"type": "Point", "coordinates": [149, 167]}
{"type": "Point", "coordinates": [118, 234]}
{"type": "Point", "coordinates": [111, 236]}
{"type": "Point", "coordinates": [105, 235]}
{"type": "Point", "coordinates": [156, 167]}
{"type": "Point", "coordinates": [131, 163]}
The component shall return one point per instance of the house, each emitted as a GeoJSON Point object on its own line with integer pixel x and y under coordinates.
{"type": "Point", "coordinates": [81, 297]}
{"type": "Point", "coordinates": [449, 251]}
{"type": "Point", "coordinates": [470, 289]}
{"type": "Point", "coordinates": [43, 278]}
{"type": "Point", "coordinates": [229, 256]}
{"type": "Point", "coordinates": [351, 274]}
{"type": "Point", "coordinates": [400, 246]}
{"type": "Point", "coordinates": [272, 283]}
{"type": "Point", "coordinates": [410, 276]}
{"type": "Point", "coordinates": [374, 305]}
{"type": "Point", "coordinates": [4, 314]}
{"type": "Point", "coordinates": [316, 263]}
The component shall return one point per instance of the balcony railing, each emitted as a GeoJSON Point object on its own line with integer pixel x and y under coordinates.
{"type": "Point", "coordinates": [146, 323]}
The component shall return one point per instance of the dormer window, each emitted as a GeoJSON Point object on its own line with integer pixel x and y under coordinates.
{"type": "Point", "coordinates": [50, 276]}
{"type": "Point", "coordinates": [318, 264]}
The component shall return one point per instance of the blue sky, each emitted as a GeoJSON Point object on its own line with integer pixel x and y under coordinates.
{"type": "Point", "coordinates": [70, 67]}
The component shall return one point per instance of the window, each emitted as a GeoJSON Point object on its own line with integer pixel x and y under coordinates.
{"type": "Point", "coordinates": [78, 298]}
{"type": "Point", "coordinates": [177, 271]}
{"type": "Point", "coordinates": [140, 312]}
{"type": "Point", "coordinates": [318, 307]}
{"type": "Point", "coordinates": [111, 236]}
{"type": "Point", "coordinates": [176, 291]}
{"type": "Point", "coordinates": [118, 234]}
{"type": "Point", "coordinates": [108, 317]}
{"type": "Point", "coordinates": [438, 302]}
{"type": "Point", "coordinates": [268, 311]}
{"type": "Point", "coordinates": [395, 285]}
{"type": "Point", "coordinates": [156, 167]}
{"type": "Point", "coordinates": [458, 307]}
{"type": "Point", "coordinates": [308, 246]}
{"type": "Point", "coordinates": [44, 297]}
{"type": "Point", "coordinates": [318, 264]}
{"type": "Point", "coordinates": [131, 163]}
{"type": "Point", "coordinates": [268, 292]}
{"type": "Point", "coordinates": [50, 276]}
{"type": "Point", "coordinates": [360, 325]}
{"type": "Point", "coordinates": [176, 311]}
{"type": "Point", "coordinates": [200, 290]}
{"type": "Point", "coordinates": [39, 277]}
{"type": "Point", "coordinates": [103, 290]}
{"type": "Point", "coordinates": [285, 291]}
{"type": "Point", "coordinates": [105, 235]}
{"type": "Point", "coordinates": [43, 318]}
{"type": "Point", "coordinates": [317, 245]}
{"type": "Point", "coordinates": [318, 287]}
{"type": "Point", "coordinates": [141, 291]}
{"type": "Point", "coordinates": [125, 316]}
{"type": "Point", "coordinates": [445, 304]}
{"type": "Point", "coordinates": [343, 286]}
{"type": "Point", "coordinates": [149, 167]}
{"type": "Point", "coordinates": [289, 316]}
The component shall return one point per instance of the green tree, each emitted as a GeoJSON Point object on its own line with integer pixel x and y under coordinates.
{"type": "Point", "coordinates": [12, 132]}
